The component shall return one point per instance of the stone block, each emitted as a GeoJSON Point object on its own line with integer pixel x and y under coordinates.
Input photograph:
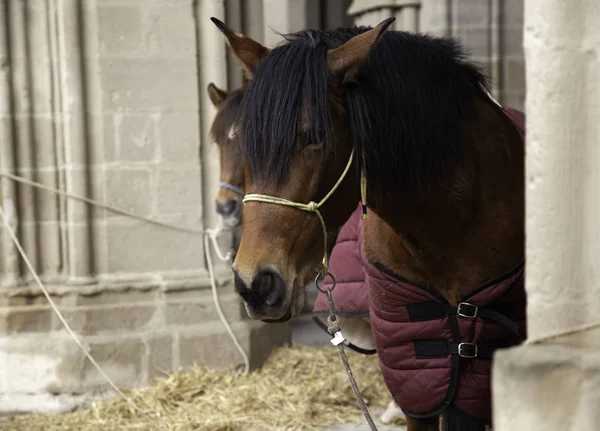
{"type": "Point", "coordinates": [97, 188]}
{"type": "Point", "coordinates": [170, 28]}
{"type": "Point", "coordinates": [47, 203]}
{"type": "Point", "coordinates": [264, 338]}
{"type": "Point", "coordinates": [30, 363]}
{"type": "Point", "coordinates": [122, 29]}
{"type": "Point", "coordinates": [178, 190]}
{"type": "Point", "coordinates": [132, 137]}
{"type": "Point", "coordinates": [476, 39]}
{"type": "Point", "coordinates": [470, 13]}
{"type": "Point", "coordinates": [558, 384]}
{"type": "Point", "coordinates": [433, 17]}
{"type": "Point", "coordinates": [179, 138]}
{"type": "Point", "coordinates": [50, 263]}
{"type": "Point", "coordinates": [27, 300]}
{"type": "Point", "coordinates": [78, 212]}
{"type": "Point", "coordinates": [115, 319]}
{"type": "Point", "coordinates": [512, 42]}
{"type": "Point", "coordinates": [513, 12]}
{"type": "Point", "coordinates": [129, 190]}
{"type": "Point", "coordinates": [211, 346]}
{"type": "Point", "coordinates": [159, 355]}
{"type": "Point", "coordinates": [149, 85]}
{"type": "Point", "coordinates": [141, 247]}
{"type": "Point", "coordinates": [130, 296]}
{"type": "Point", "coordinates": [100, 248]}
{"type": "Point", "coordinates": [121, 359]}
{"type": "Point", "coordinates": [203, 309]}
{"type": "Point", "coordinates": [34, 318]}
{"type": "Point", "coordinates": [514, 74]}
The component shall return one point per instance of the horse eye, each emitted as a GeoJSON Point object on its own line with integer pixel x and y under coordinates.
{"type": "Point", "coordinates": [313, 143]}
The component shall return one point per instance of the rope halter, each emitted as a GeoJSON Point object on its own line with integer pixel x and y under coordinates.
{"type": "Point", "coordinates": [231, 187]}
{"type": "Point", "coordinates": [311, 207]}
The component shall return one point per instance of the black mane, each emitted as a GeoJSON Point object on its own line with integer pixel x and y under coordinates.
{"type": "Point", "coordinates": [404, 112]}
{"type": "Point", "coordinates": [227, 115]}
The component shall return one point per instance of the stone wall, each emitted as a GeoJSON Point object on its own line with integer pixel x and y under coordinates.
{"type": "Point", "coordinates": [106, 99]}
{"type": "Point", "coordinates": [491, 30]}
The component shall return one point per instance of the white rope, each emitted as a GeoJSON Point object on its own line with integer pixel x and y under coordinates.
{"type": "Point", "coordinates": [64, 322]}
{"type": "Point", "coordinates": [98, 203]}
{"type": "Point", "coordinates": [209, 234]}
{"type": "Point", "coordinates": [212, 235]}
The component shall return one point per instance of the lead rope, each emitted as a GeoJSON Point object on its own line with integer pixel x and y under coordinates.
{"type": "Point", "coordinates": [333, 322]}
{"type": "Point", "coordinates": [338, 340]}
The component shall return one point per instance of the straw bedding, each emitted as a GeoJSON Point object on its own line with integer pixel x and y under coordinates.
{"type": "Point", "coordinates": [299, 388]}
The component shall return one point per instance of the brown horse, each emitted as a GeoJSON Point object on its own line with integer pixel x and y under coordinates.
{"type": "Point", "coordinates": [231, 182]}
{"type": "Point", "coordinates": [401, 121]}
{"type": "Point", "coordinates": [223, 133]}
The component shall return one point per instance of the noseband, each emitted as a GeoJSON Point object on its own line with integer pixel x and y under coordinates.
{"type": "Point", "coordinates": [232, 188]}
{"type": "Point", "coordinates": [311, 207]}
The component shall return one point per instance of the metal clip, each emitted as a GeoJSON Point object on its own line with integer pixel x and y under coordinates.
{"type": "Point", "coordinates": [338, 338]}
{"type": "Point", "coordinates": [320, 278]}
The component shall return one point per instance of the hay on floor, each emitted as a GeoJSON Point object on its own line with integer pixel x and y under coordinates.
{"type": "Point", "coordinates": [299, 388]}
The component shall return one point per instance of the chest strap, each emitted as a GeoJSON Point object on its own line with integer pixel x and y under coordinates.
{"type": "Point", "coordinates": [433, 349]}
{"type": "Point", "coordinates": [434, 311]}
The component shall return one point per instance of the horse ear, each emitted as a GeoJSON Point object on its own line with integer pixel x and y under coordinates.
{"type": "Point", "coordinates": [217, 96]}
{"type": "Point", "coordinates": [248, 51]}
{"type": "Point", "coordinates": [348, 58]}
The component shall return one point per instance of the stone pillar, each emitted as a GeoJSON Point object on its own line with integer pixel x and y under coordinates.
{"type": "Point", "coordinates": [75, 162]}
{"type": "Point", "coordinates": [212, 68]}
{"type": "Point", "coordinates": [9, 262]}
{"type": "Point", "coordinates": [554, 384]}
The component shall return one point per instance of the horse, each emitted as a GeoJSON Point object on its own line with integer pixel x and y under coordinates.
{"type": "Point", "coordinates": [405, 124]}
{"type": "Point", "coordinates": [228, 203]}
{"type": "Point", "coordinates": [350, 295]}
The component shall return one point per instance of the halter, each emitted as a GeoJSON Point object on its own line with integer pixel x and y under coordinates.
{"type": "Point", "coordinates": [313, 207]}
{"type": "Point", "coordinates": [231, 187]}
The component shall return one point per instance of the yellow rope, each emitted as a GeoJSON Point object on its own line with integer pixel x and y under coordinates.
{"type": "Point", "coordinates": [312, 207]}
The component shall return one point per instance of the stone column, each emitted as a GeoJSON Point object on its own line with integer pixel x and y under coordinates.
{"type": "Point", "coordinates": [554, 384]}
{"type": "Point", "coordinates": [212, 68]}
{"type": "Point", "coordinates": [23, 143]}
{"type": "Point", "coordinates": [75, 163]}
{"type": "Point", "coordinates": [9, 263]}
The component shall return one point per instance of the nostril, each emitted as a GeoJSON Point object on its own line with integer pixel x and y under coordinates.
{"type": "Point", "coordinates": [231, 207]}
{"type": "Point", "coordinates": [269, 287]}
{"type": "Point", "coordinates": [220, 208]}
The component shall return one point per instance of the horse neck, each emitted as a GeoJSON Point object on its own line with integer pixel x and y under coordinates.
{"type": "Point", "coordinates": [466, 230]}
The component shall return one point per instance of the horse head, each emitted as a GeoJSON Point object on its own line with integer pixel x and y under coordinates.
{"type": "Point", "coordinates": [297, 146]}
{"type": "Point", "coordinates": [224, 133]}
